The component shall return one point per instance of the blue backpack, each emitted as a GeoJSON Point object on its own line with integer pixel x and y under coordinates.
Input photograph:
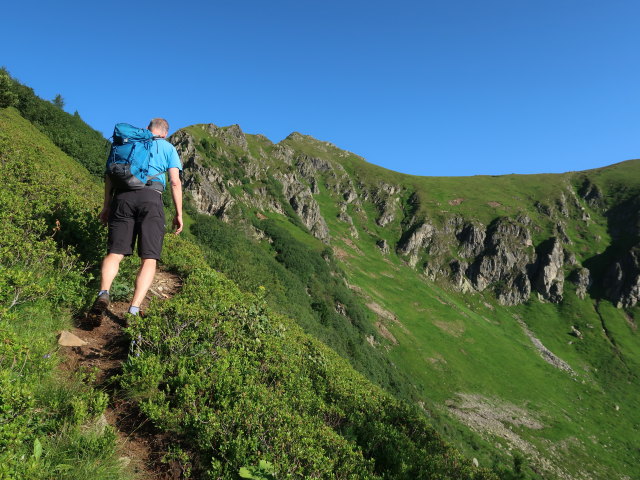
{"type": "Point", "coordinates": [128, 162]}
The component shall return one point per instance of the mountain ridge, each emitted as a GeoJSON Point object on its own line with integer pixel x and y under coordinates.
{"type": "Point", "coordinates": [544, 388]}
{"type": "Point", "coordinates": [512, 252]}
{"type": "Point", "coordinates": [393, 198]}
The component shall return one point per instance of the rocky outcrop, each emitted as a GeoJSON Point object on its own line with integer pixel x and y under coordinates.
{"type": "Point", "coordinates": [549, 280]}
{"type": "Point", "coordinates": [458, 278]}
{"type": "Point", "coordinates": [283, 153]}
{"type": "Point", "coordinates": [343, 216]}
{"type": "Point", "coordinates": [206, 185]}
{"type": "Point", "coordinates": [309, 166]}
{"type": "Point", "coordinates": [471, 239]}
{"type": "Point", "coordinates": [505, 260]}
{"type": "Point", "coordinates": [232, 136]}
{"type": "Point", "coordinates": [418, 239]}
{"type": "Point", "coordinates": [221, 171]}
{"type": "Point", "coordinates": [388, 208]}
{"type": "Point", "coordinates": [304, 205]}
{"type": "Point", "coordinates": [623, 279]}
{"type": "Point", "coordinates": [591, 193]}
{"type": "Point", "coordinates": [582, 279]}
{"type": "Point", "coordinates": [515, 291]}
{"type": "Point", "coordinates": [383, 246]}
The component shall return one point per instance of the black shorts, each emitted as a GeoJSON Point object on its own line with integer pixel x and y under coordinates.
{"type": "Point", "coordinates": [137, 214]}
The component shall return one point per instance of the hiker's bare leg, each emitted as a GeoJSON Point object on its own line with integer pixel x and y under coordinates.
{"type": "Point", "coordinates": [110, 267]}
{"type": "Point", "coordinates": [144, 280]}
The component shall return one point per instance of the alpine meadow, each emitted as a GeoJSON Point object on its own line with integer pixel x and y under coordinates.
{"type": "Point", "coordinates": [334, 319]}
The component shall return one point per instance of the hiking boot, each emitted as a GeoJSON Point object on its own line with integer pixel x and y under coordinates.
{"type": "Point", "coordinates": [97, 310]}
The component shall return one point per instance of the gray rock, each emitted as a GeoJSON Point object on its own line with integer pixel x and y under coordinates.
{"type": "Point", "coordinates": [561, 203]}
{"type": "Point", "coordinates": [505, 259]}
{"type": "Point", "coordinates": [232, 135]}
{"type": "Point", "coordinates": [205, 184]}
{"type": "Point", "coordinates": [388, 208]}
{"type": "Point", "coordinates": [622, 281]}
{"type": "Point", "coordinates": [591, 193]}
{"type": "Point", "coordinates": [549, 281]}
{"type": "Point", "coordinates": [471, 239]}
{"type": "Point", "coordinates": [582, 280]}
{"type": "Point", "coordinates": [309, 166]}
{"type": "Point", "coordinates": [516, 290]}
{"type": "Point", "coordinates": [383, 246]}
{"type": "Point", "coordinates": [283, 153]}
{"type": "Point", "coordinates": [561, 232]}
{"type": "Point", "coordinates": [418, 240]}
{"type": "Point", "coordinates": [458, 278]}
{"type": "Point", "coordinates": [349, 195]}
{"type": "Point", "coordinates": [301, 199]}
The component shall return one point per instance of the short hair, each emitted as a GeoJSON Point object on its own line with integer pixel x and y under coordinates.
{"type": "Point", "coordinates": [159, 124]}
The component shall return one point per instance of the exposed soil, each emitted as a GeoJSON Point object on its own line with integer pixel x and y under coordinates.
{"type": "Point", "coordinates": [493, 417]}
{"type": "Point", "coordinates": [386, 333]}
{"type": "Point", "coordinates": [141, 446]}
{"type": "Point", "coordinates": [455, 328]}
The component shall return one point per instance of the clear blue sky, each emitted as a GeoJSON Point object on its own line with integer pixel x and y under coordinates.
{"type": "Point", "coordinates": [449, 87]}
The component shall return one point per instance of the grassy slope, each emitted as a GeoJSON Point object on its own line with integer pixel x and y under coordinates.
{"type": "Point", "coordinates": [451, 343]}
{"type": "Point", "coordinates": [47, 419]}
{"type": "Point", "coordinates": [254, 387]}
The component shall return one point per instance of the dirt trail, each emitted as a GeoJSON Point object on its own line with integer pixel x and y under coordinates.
{"type": "Point", "coordinates": [141, 447]}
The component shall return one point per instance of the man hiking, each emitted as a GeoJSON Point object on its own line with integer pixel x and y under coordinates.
{"type": "Point", "coordinates": [139, 215]}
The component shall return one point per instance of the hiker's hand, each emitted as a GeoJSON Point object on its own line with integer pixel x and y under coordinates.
{"type": "Point", "coordinates": [177, 223]}
{"type": "Point", "coordinates": [104, 215]}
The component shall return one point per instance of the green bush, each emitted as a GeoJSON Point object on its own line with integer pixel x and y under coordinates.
{"type": "Point", "coordinates": [240, 384]}
{"type": "Point", "coordinates": [48, 238]}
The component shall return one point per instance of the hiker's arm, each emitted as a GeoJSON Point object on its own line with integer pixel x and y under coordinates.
{"type": "Point", "coordinates": [106, 207]}
{"type": "Point", "coordinates": [176, 194]}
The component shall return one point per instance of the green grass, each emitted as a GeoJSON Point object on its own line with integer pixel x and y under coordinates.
{"type": "Point", "coordinates": [48, 207]}
{"type": "Point", "coordinates": [241, 384]}
{"type": "Point", "coordinates": [450, 343]}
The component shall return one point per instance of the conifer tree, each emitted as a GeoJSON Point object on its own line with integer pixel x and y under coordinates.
{"type": "Point", "coordinates": [59, 102]}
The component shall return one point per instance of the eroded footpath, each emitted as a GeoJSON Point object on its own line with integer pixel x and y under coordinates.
{"type": "Point", "coordinates": [98, 354]}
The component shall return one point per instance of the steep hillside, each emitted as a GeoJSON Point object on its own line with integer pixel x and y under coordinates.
{"type": "Point", "coordinates": [49, 422]}
{"type": "Point", "coordinates": [233, 385]}
{"type": "Point", "coordinates": [508, 302]}
{"type": "Point", "coordinates": [68, 132]}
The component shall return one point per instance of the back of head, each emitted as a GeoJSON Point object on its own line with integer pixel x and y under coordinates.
{"type": "Point", "coordinates": [159, 127]}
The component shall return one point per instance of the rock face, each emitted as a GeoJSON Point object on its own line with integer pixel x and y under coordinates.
{"type": "Point", "coordinates": [549, 281]}
{"type": "Point", "coordinates": [505, 258]}
{"type": "Point", "coordinates": [227, 172]}
{"type": "Point", "coordinates": [471, 239]}
{"type": "Point", "coordinates": [591, 193]}
{"type": "Point", "coordinates": [232, 136]}
{"type": "Point", "coordinates": [582, 279]}
{"type": "Point", "coordinates": [458, 277]}
{"type": "Point", "coordinates": [388, 209]}
{"type": "Point", "coordinates": [301, 199]}
{"type": "Point", "coordinates": [419, 239]}
{"type": "Point", "coordinates": [206, 184]}
{"type": "Point", "coordinates": [383, 246]}
{"type": "Point", "coordinates": [623, 279]}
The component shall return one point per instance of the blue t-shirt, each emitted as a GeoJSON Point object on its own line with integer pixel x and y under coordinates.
{"type": "Point", "coordinates": [163, 157]}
